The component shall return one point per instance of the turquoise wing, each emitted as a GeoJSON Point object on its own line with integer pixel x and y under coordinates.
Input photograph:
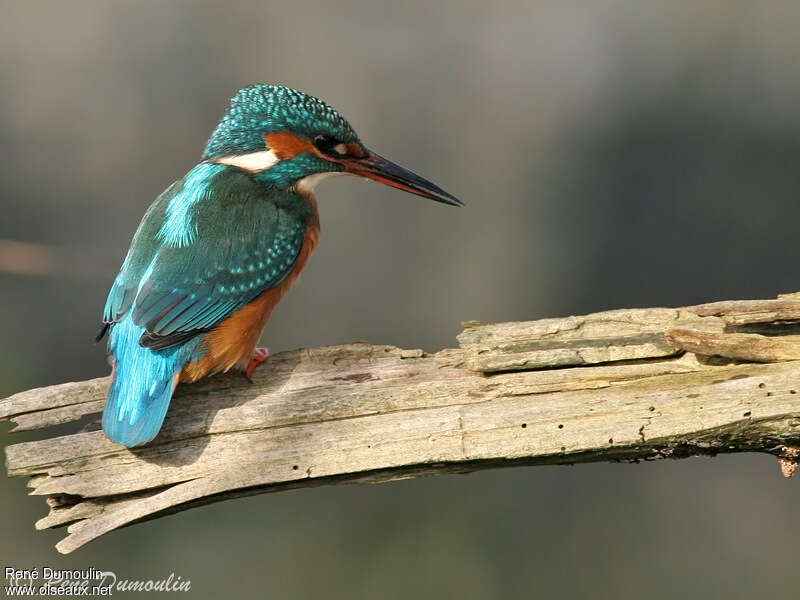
{"type": "Point", "coordinates": [211, 244]}
{"type": "Point", "coordinates": [144, 247]}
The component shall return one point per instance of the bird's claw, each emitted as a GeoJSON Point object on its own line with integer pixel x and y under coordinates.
{"type": "Point", "coordinates": [259, 356]}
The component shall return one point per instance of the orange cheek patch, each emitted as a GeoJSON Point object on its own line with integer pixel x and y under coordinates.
{"type": "Point", "coordinates": [286, 145]}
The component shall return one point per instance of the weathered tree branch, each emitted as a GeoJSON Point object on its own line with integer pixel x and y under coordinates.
{"type": "Point", "coordinates": [619, 385]}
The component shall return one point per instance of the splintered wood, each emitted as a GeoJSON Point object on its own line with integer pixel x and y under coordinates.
{"type": "Point", "coordinates": [619, 385]}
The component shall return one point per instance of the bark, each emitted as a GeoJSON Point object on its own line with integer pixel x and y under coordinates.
{"type": "Point", "coordinates": [630, 385]}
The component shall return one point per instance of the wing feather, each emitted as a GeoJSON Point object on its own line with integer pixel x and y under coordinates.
{"type": "Point", "coordinates": [247, 240]}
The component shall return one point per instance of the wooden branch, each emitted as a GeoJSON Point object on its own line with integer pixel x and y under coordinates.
{"type": "Point", "coordinates": [619, 385]}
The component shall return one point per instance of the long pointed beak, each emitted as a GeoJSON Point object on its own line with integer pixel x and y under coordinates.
{"type": "Point", "coordinates": [374, 166]}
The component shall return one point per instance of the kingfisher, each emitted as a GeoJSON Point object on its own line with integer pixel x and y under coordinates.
{"type": "Point", "coordinates": [218, 249]}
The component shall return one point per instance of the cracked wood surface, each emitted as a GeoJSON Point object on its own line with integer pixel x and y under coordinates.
{"type": "Point", "coordinates": [636, 384]}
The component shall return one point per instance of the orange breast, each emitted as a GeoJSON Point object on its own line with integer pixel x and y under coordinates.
{"type": "Point", "coordinates": [232, 341]}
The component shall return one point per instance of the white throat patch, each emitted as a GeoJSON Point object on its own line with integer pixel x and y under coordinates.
{"type": "Point", "coordinates": [254, 162]}
{"type": "Point", "coordinates": [307, 184]}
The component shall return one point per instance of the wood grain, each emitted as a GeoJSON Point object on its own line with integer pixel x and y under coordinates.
{"type": "Point", "coordinates": [638, 384]}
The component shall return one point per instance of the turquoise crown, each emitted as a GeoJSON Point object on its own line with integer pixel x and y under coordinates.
{"type": "Point", "coordinates": [265, 108]}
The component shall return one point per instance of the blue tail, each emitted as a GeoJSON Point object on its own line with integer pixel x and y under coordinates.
{"type": "Point", "coordinates": [142, 386]}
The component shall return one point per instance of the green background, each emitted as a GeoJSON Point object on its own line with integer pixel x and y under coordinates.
{"type": "Point", "coordinates": [611, 154]}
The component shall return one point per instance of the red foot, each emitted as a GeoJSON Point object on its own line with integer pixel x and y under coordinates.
{"type": "Point", "coordinates": [259, 356]}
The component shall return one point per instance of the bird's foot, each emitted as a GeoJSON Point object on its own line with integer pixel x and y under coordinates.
{"type": "Point", "coordinates": [259, 356]}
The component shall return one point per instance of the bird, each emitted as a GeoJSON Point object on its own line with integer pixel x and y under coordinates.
{"type": "Point", "coordinates": [218, 249]}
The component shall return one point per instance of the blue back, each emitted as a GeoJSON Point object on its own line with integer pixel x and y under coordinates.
{"type": "Point", "coordinates": [210, 244]}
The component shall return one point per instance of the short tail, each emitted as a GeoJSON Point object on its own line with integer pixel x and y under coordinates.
{"type": "Point", "coordinates": [141, 389]}
{"type": "Point", "coordinates": [132, 418]}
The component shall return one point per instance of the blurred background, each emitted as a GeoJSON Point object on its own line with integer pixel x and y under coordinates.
{"type": "Point", "coordinates": [611, 153]}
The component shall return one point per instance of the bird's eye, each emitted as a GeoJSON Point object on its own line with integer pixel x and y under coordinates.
{"type": "Point", "coordinates": [327, 144]}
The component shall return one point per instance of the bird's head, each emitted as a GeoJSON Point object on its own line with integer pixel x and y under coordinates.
{"type": "Point", "coordinates": [291, 140]}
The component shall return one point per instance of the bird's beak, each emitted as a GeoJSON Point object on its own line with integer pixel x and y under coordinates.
{"type": "Point", "coordinates": [374, 166]}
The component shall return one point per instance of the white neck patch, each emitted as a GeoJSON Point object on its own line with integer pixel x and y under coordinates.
{"type": "Point", "coordinates": [307, 184]}
{"type": "Point", "coordinates": [258, 162]}
{"type": "Point", "coordinates": [253, 162]}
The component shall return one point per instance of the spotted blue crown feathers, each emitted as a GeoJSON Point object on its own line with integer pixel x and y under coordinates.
{"type": "Point", "coordinates": [265, 108]}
